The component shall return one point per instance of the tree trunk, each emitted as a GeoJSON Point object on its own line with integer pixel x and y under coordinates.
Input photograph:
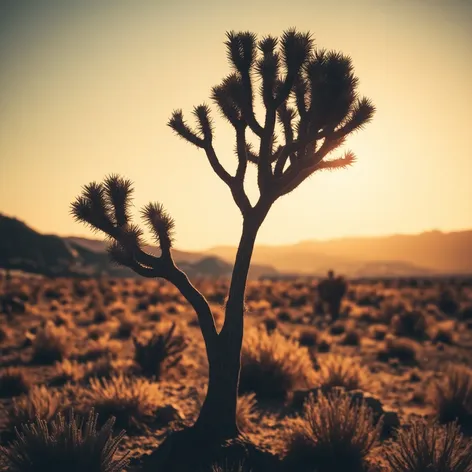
{"type": "Point", "coordinates": [218, 414]}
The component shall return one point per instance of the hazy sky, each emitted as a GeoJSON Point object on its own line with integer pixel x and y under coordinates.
{"type": "Point", "coordinates": [86, 89]}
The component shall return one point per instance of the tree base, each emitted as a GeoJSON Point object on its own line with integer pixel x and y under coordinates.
{"type": "Point", "coordinates": [190, 450]}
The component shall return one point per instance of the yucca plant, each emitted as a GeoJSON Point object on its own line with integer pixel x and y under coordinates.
{"type": "Point", "coordinates": [310, 98]}
{"type": "Point", "coordinates": [163, 350]}
{"type": "Point", "coordinates": [65, 445]}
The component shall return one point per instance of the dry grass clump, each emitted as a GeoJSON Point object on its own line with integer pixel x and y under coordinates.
{"type": "Point", "coordinates": [430, 448]}
{"type": "Point", "coordinates": [339, 371]}
{"type": "Point", "coordinates": [334, 434]}
{"type": "Point", "coordinates": [162, 352]}
{"type": "Point", "coordinates": [272, 365]}
{"type": "Point", "coordinates": [14, 381]}
{"type": "Point", "coordinates": [70, 371]}
{"type": "Point", "coordinates": [132, 401]}
{"type": "Point", "coordinates": [309, 337]}
{"type": "Point", "coordinates": [246, 412]}
{"type": "Point", "coordinates": [452, 397]}
{"type": "Point", "coordinates": [51, 344]}
{"type": "Point", "coordinates": [39, 402]}
{"type": "Point", "coordinates": [65, 445]}
{"type": "Point", "coordinates": [412, 324]}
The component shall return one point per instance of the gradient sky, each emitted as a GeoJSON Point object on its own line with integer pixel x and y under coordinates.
{"type": "Point", "coordinates": [86, 89]}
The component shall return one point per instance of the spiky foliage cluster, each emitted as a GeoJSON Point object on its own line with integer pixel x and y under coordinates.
{"type": "Point", "coordinates": [311, 93]}
{"type": "Point", "coordinates": [162, 351]}
{"type": "Point", "coordinates": [65, 444]}
{"type": "Point", "coordinates": [14, 381]}
{"type": "Point", "coordinates": [452, 397]}
{"type": "Point", "coordinates": [39, 402]}
{"type": "Point", "coordinates": [272, 365]}
{"type": "Point", "coordinates": [51, 344]}
{"type": "Point", "coordinates": [132, 401]}
{"type": "Point", "coordinates": [229, 468]}
{"type": "Point", "coordinates": [430, 448]}
{"type": "Point", "coordinates": [339, 371]}
{"type": "Point", "coordinates": [412, 324]}
{"type": "Point", "coordinates": [334, 434]}
{"type": "Point", "coordinates": [106, 206]}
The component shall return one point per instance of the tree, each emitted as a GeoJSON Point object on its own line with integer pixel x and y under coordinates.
{"type": "Point", "coordinates": [310, 96]}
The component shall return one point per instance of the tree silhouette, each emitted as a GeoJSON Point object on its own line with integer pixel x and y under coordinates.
{"type": "Point", "coordinates": [310, 95]}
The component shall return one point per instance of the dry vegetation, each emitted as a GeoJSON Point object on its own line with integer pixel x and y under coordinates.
{"type": "Point", "coordinates": [318, 394]}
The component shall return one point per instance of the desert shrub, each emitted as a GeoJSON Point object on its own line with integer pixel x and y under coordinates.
{"type": "Point", "coordinates": [14, 381]}
{"type": "Point", "coordinates": [452, 397]}
{"type": "Point", "coordinates": [340, 371]}
{"type": "Point", "coordinates": [126, 327]}
{"type": "Point", "coordinates": [65, 445]}
{"type": "Point", "coordinates": [229, 468]}
{"type": "Point", "coordinates": [337, 328]}
{"type": "Point", "coordinates": [162, 351]}
{"type": "Point", "coordinates": [132, 401]}
{"type": "Point", "coordinates": [69, 371]}
{"type": "Point", "coordinates": [50, 344]}
{"type": "Point", "coordinates": [5, 333]}
{"type": "Point", "coordinates": [270, 324]}
{"type": "Point", "coordinates": [351, 338]}
{"type": "Point", "coordinates": [447, 303]}
{"type": "Point", "coordinates": [402, 349]}
{"type": "Point", "coordinates": [272, 365]}
{"type": "Point", "coordinates": [466, 312]}
{"type": "Point", "coordinates": [412, 324]}
{"type": "Point", "coordinates": [246, 414]}
{"type": "Point", "coordinates": [334, 434]}
{"type": "Point", "coordinates": [38, 402]}
{"type": "Point", "coordinates": [308, 337]}
{"type": "Point", "coordinates": [430, 448]}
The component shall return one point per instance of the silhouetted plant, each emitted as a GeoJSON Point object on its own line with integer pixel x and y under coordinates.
{"type": "Point", "coordinates": [333, 435]}
{"type": "Point", "coordinates": [132, 401]}
{"type": "Point", "coordinates": [312, 94]}
{"type": "Point", "coordinates": [162, 351]}
{"type": "Point", "coordinates": [447, 303]}
{"type": "Point", "coordinates": [65, 445]}
{"type": "Point", "coordinates": [246, 414]}
{"type": "Point", "coordinates": [272, 366]}
{"type": "Point", "coordinates": [14, 381]}
{"type": "Point", "coordinates": [403, 349]}
{"type": "Point", "coordinates": [452, 397]}
{"type": "Point", "coordinates": [331, 292]}
{"type": "Point", "coordinates": [427, 447]}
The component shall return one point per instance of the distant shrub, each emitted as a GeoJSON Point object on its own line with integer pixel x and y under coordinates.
{"type": "Point", "coordinates": [272, 365]}
{"type": "Point", "coordinates": [402, 349]}
{"type": "Point", "coordinates": [69, 371]}
{"type": "Point", "coordinates": [308, 337]}
{"type": "Point", "coordinates": [331, 292]}
{"type": "Point", "coordinates": [162, 351]}
{"type": "Point", "coordinates": [50, 344]}
{"type": "Point", "coordinates": [126, 327]}
{"type": "Point", "coordinates": [65, 445]}
{"type": "Point", "coordinates": [452, 397]}
{"type": "Point", "coordinates": [132, 401]}
{"type": "Point", "coordinates": [351, 338]}
{"type": "Point", "coordinates": [447, 303]}
{"type": "Point", "coordinates": [412, 324]}
{"type": "Point", "coordinates": [430, 448]}
{"type": "Point", "coordinates": [337, 328]}
{"type": "Point", "coordinates": [13, 382]}
{"type": "Point", "coordinates": [333, 435]}
{"type": "Point", "coordinates": [340, 371]}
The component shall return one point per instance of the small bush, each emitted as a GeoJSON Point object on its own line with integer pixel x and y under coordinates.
{"type": "Point", "coordinates": [13, 382]}
{"type": "Point", "coordinates": [132, 401]}
{"type": "Point", "coordinates": [162, 351]}
{"type": "Point", "coordinates": [272, 365]}
{"type": "Point", "coordinates": [404, 350]}
{"type": "Point", "coordinates": [351, 338]}
{"type": "Point", "coordinates": [308, 337]}
{"type": "Point", "coordinates": [452, 397]}
{"type": "Point", "coordinates": [340, 371]}
{"type": "Point", "coordinates": [412, 324]}
{"type": "Point", "coordinates": [430, 448]}
{"type": "Point", "coordinates": [50, 344]}
{"type": "Point", "coordinates": [65, 445]}
{"type": "Point", "coordinates": [333, 435]}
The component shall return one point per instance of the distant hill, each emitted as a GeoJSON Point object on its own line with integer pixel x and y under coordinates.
{"type": "Point", "coordinates": [427, 253]}
{"type": "Point", "coordinates": [25, 249]}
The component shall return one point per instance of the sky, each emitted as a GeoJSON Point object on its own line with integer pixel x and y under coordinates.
{"type": "Point", "coordinates": [86, 89]}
